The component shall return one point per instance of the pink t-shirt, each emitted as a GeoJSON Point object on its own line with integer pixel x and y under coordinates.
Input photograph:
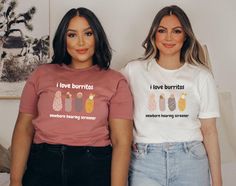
{"type": "Point", "coordinates": [73, 106]}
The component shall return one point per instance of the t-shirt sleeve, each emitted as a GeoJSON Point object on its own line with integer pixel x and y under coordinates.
{"type": "Point", "coordinates": [209, 103]}
{"type": "Point", "coordinates": [121, 103]}
{"type": "Point", "coordinates": [125, 71]}
{"type": "Point", "coordinates": [29, 97]}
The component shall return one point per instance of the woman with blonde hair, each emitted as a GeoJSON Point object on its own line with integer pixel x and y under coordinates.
{"type": "Point", "coordinates": [176, 105]}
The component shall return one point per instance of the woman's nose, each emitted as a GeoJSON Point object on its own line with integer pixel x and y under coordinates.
{"type": "Point", "coordinates": [168, 36]}
{"type": "Point", "coordinates": [81, 41]}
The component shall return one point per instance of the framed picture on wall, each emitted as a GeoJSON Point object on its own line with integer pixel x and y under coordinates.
{"type": "Point", "coordinates": [24, 42]}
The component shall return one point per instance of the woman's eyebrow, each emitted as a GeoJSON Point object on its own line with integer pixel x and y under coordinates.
{"type": "Point", "coordinates": [73, 30]}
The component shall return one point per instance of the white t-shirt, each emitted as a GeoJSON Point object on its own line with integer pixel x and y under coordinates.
{"type": "Point", "coordinates": [169, 103]}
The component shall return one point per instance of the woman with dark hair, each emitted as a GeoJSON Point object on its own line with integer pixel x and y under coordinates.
{"type": "Point", "coordinates": [176, 105]}
{"type": "Point", "coordinates": [75, 118]}
{"type": "Point", "coordinates": [102, 54]}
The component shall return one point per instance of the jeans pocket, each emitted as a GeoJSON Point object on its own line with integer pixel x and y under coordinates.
{"type": "Point", "coordinates": [198, 151]}
{"type": "Point", "coordinates": [35, 152]}
{"type": "Point", "coordinates": [35, 156]}
{"type": "Point", "coordinates": [104, 154]}
{"type": "Point", "coordinates": [137, 154]}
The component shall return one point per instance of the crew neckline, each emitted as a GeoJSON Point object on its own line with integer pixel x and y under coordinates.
{"type": "Point", "coordinates": [156, 65]}
{"type": "Point", "coordinates": [94, 67]}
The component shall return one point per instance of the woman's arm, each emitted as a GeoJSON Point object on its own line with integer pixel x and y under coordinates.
{"type": "Point", "coordinates": [21, 142]}
{"type": "Point", "coordinates": [210, 140]}
{"type": "Point", "coordinates": [121, 137]}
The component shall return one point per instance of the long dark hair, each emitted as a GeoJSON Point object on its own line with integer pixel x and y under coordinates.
{"type": "Point", "coordinates": [191, 51]}
{"type": "Point", "coordinates": [103, 54]}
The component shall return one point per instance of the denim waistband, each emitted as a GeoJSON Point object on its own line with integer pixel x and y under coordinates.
{"type": "Point", "coordinates": [61, 147]}
{"type": "Point", "coordinates": [165, 146]}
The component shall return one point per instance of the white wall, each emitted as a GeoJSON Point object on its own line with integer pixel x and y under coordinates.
{"type": "Point", "coordinates": [8, 110]}
{"type": "Point", "coordinates": [127, 22]}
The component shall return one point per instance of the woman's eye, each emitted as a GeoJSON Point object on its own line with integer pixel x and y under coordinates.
{"type": "Point", "coordinates": [177, 31]}
{"type": "Point", "coordinates": [71, 35]}
{"type": "Point", "coordinates": [161, 30]}
{"type": "Point", "coordinates": [90, 33]}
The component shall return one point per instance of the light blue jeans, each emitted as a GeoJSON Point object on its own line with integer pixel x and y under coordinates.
{"type": "Point", "coordinates": [169, 164]}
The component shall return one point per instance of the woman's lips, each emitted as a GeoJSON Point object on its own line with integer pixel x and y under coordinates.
{"type": "Point", "coordinates": [168, 45]}
{"type": "Point", "coordinates": [82, 51]}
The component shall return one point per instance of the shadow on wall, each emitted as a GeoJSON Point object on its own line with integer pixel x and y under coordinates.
{"type": "Point", "coordinates": [227, 128]}
{"type": "Point", "coordinates": [226, 123]}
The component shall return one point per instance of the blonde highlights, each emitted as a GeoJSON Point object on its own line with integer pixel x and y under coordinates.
{"type": "Point", "coordinates": [191, 51]}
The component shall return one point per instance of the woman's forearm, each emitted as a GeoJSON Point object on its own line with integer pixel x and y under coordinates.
{"type": "Point", "coordinates": [210, 140]}
{"type": "Point", "coordinates": [213, 152]}
{"type": "Point", "coordinates": [20, 150]}
{"type": "Point", "coordinates": [120, 164]}
{"type": "Point", "coordinates": [121, 137]}
{"type": "Point", "coordinates": [21, 142]}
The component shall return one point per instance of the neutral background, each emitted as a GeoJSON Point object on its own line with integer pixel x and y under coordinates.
{"type": "Point", "coordinates": [127, 22]}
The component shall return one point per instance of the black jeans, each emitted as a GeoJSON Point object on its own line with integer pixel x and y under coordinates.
{"type": "Point", "coordinates": [61, 165]}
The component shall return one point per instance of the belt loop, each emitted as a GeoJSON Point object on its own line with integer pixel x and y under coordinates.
{"type": "Point", "coordinates": [43, 146]}
{"type": "Point", "coordinates": [146, 149]}
{"type": "Point", "coordinates": [63, 148]}
{"type": "Point", "coordinates": [135, 147]}
{"type": "Point", "coordinates": [185, 147]}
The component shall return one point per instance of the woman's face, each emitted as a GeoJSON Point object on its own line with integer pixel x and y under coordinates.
{"type": "Point", "coordinates": [80, 43]}
{"type": "Point", "coordinates": [170, 36]}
